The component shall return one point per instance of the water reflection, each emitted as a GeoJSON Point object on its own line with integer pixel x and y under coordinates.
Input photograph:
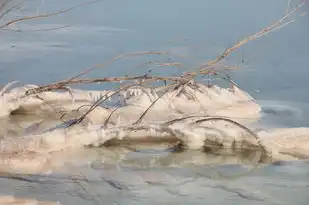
{"type": "Point", "coordinates": [268, 184]}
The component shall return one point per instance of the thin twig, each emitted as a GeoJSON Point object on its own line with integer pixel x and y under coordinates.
{"type": "Point", "coordinates": [109, 117]}
{"type": "Point", "coordinates": [274, 26]}
{"type": "Point", "coordinates": [25, 18]}
{"type": "Point", "coordinates": [36, 30]}
{"type": "Point", "coordinates": [6, 87]}
{"type": "Point", "coordinates": [238, 125]}
{"type": "Point", "coordinates": [115, 59]}
{"type": "Point", "coordinates": [72, 80]}
{"type": "Point", "coordinates": [149, 107]}
{"type": "Point", "coordinates": [288, 7]}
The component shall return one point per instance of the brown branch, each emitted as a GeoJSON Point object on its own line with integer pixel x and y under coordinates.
{"type": "Point", "coordinates": [204, 69]}
{"type": "Point", "coordinates": [260, 33]}
{"type": "Point", "coordinates": [210, 66]}
{"type": "Point", "coordinates": [25, 18]}
{"type": "Point", "coordinates": [100, 65]}
{"type": "Point", "coordinates": [62, 84]}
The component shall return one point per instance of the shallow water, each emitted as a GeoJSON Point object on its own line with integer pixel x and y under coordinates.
{"type": "Point", "coordinates": [273, 184]}
{"type": "Point", "coordinates": [274, 70]}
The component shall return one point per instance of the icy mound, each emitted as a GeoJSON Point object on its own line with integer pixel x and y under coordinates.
{"type": "Point", "coordinates": [194, 116]}
{"type": "Point", "coordinates": [289, 143]}
{"type": "Point", "coordinates": [192, 99]}
{"type": "Point", "coordinates": [16, 100]}
{"type": "Point", "coordinates": [46, 151]}
{"type": "Point", "coordinates": [185, 100]}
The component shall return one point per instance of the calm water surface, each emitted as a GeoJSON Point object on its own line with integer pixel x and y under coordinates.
{"type": "Point", "coordinates": [274, 69]}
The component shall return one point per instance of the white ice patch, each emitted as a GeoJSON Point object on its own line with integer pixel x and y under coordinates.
{"type": "Point", "coordinates": [192, 99]}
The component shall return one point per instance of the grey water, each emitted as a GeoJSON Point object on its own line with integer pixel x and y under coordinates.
{"type": "Point", "coordinates": [274, 69]}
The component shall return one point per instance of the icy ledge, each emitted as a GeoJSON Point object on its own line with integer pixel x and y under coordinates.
{"type": "Point", "coordinates": [186, 100]}
{"type": "Point", "coordinates": [194, 117]}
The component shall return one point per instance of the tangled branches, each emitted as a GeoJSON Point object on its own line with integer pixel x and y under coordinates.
{"type": "Point", "coordinates": [163, 89]}
{"type": "Point", "coordinates": [208, 69]}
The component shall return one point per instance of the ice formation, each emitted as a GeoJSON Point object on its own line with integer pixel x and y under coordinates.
{"type": "Point", "coordinates": [195, 116]}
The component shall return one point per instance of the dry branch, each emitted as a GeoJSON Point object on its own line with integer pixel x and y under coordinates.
{"type": "Point", "coordinates": [100, 65]}
{"type": "Point", "coordinates": [72, 80]}
{"type": "Point", "coordinates": [263, 32]}
{"type": "Point", "coordinates": [206, 68]}
{"type": "Point", "coordinates": [41, 16]}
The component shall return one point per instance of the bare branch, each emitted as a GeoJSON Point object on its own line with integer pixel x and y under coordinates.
{"type": "Point", "coordinates": [274, 26]}
{"type": "Point", "coordinates": [41, 16]}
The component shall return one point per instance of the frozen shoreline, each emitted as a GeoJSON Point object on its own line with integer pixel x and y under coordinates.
{"type": "Point", "coordinates": [214, 120]}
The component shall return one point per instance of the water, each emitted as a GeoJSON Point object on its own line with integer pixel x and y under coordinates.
{"type": "Point", "coordinates": [284, 184]}
{"type": "Point", "coordinates": [274, 70]}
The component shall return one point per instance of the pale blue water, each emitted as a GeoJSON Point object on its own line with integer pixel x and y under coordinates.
{"type": "Point", "coordinates": [275, 71]}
